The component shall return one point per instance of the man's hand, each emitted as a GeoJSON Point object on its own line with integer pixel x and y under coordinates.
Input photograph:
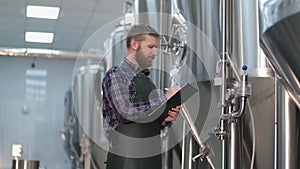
{"type": "Point", "coordinates": [172, 90]}
{"type": "Point", "coordinates": [173, 114]}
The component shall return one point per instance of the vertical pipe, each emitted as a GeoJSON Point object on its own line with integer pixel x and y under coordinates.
{"type": "Point", "coordinates": [288, 132]}
{"type": "Point", "coordinates": [186, 149]}
{"type": "Point", "coordinates": [223, 87]}
{"type": "Point", "coordinates": [277, 106]}
{"type": "Point", "coordinates": [166, 153]}
{"type": "Point", "coordinates": [164, 20]}
{"type": "Point", "coordinates": [234, 143]}
{"type": "Point", "coordinates": [164, 13]}
{"type": "Point", "coordinates": [190, 151]}
{"type": "Point", "coordinates": [161, 31]}
{"type": "Point", "coordinates": [183, 146]}
{"type": "Point", "coordinates": [160, 81]}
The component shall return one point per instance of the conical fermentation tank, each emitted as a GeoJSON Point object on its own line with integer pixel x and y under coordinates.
{"type": "Point", "coordinates": [85, 99]}
{"type": "Point", "coordinates": [280, 40]}
{"type": "Point", "coordinates": [115, 46]}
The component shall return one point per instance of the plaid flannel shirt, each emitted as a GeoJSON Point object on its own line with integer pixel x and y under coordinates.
{"type": "Point", "coordinates": [118, 93]}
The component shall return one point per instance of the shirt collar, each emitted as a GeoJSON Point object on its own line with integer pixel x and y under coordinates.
{"type": "Point", "coordinates": [136, 70]}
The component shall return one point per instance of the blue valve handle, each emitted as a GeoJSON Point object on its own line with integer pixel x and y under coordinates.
{"type": "Point", "coordinates": [244, 67]}
{"type": "Point", "coordinates": [210, 132]}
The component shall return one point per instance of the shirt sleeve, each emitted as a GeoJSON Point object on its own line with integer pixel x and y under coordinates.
{"type": "Point", "coordinates": [120, 98]}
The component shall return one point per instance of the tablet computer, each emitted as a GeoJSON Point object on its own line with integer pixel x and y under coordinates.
{"type": "Point", "coordinates": [182, 95]}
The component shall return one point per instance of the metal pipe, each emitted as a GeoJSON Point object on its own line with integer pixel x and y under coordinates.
{"type": "Point", "coordinates": [186, 116]}
{"type": "Point", "coordinates": [204, 151]}
{"type": "Point", "coordinates": [33, 52]}
{"type": "Point", "coordinates": [276, 86]}
{"type": "Point", "coordinates": [161, 31]}
{"type": "Point", "coordinates": [164, 9]}
{"type": "Point", "coordinates": [183, 146]}
{"type": "Point", "coordinates": [234, 143]}
{"type": "Point", "coordinates": [223, 87]}
{"type": "Point", "coordinates": [187, 151]}
{"type": "Point", "coordinates": [288, 131]}
{"type": "Point", "coordinates": [190, 151]}
{"type": "Point", "coordinates": [237, 114]}
{"type": "Point", "coordinates": [234, 154]}
{"type": "Point", "coordinates": [189, 145]}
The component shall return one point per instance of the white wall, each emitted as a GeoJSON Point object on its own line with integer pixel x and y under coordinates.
{"type": "Point", "coordinates": [38, 130]}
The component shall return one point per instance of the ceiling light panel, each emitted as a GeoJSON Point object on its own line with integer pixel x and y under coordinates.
{"type": "Point", "coordinates": [39, 37]}
{"type": "Point", "coordinates": [44, 12]}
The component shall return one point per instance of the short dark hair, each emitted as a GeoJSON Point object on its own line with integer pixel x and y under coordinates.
{"type": "Point", "coordinates": [137, 32]}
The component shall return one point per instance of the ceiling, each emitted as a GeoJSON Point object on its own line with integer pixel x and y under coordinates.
{"type": "Point", "coordinates": [78, 21]}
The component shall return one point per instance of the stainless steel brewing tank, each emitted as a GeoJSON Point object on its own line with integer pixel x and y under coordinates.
{"type": "Point", "coordinates": [280, 39]}
{"type": "Point", "coordinates": [25, 164]}
{"type": "Point", "coordinates": [203, 32]}
{"type": "Point", "coordinates": [142, 8]}
{"type": "Point", "coordinates": [87, 99]}
{"type": "Point", "coordinates": [115, 46]}
{"type": "Point", "coordinates": [72, 131]}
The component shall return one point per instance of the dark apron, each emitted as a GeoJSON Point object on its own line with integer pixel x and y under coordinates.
{"type": "Point", "coordinates": [136, 130]}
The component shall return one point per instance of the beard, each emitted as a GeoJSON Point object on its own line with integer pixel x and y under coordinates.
{"type": "Point", "coordinates": [143, 60]}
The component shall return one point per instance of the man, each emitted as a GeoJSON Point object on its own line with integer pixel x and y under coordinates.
{"type": "Point", "coordinates": [129, 99]}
